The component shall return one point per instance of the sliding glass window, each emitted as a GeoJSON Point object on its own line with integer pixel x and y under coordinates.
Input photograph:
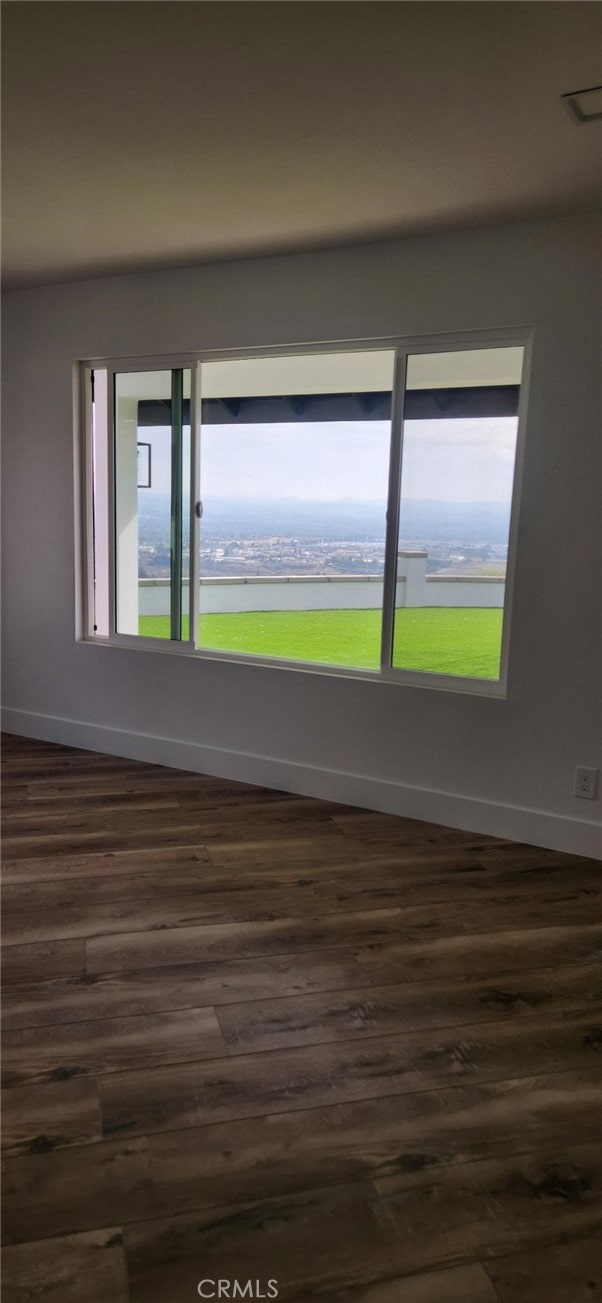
{"type": "Point", "coordinates": [294, 472]}
{"type": "Point", "coordinates": [350, 509]}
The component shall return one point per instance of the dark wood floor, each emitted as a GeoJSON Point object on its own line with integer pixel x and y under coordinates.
{"type": "Point", "coordinates": [251, 1036]}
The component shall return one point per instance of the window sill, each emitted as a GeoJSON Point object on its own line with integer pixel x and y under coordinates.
{"type": "Point", "coordinates": [490, 688]}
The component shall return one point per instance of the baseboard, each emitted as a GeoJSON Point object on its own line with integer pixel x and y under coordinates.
{"type": "Point", "coordinates": [536, 827]}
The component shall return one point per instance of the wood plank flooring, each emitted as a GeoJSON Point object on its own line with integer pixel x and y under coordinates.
{"type": "Point", "coordinates": [249, 1036]}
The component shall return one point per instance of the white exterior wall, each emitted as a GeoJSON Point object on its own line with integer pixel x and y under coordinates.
{"type": "Point", "coordinates": [411, 566]}
{"type": "Point", "coordinates": [504, 766]}
{"type": "Point", "coordinates": [218, 596]}
{"type": "Point", "coordinates": [322, 593]}
{"type": "Point", "coordinates": [452, 591]}
{"type": "Point", "coordinates": [292, 595]}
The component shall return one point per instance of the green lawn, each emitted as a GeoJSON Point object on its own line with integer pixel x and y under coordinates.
{"type": "Point", "coordinates": [463, 640]}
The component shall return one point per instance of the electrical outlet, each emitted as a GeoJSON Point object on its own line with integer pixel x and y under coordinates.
{"type": "Point", "coordinates": [586, 782]}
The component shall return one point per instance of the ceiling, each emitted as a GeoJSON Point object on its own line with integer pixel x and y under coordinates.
{"type": "Point", "coordinates": [150, 134]}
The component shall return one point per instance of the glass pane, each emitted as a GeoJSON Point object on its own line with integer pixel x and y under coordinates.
{"type": "Point", "coordinates": [459, 445]}
{"type": "Point", "coordinates": [294, 473]}
{"type": "Point", "coordinates": [152, 476]}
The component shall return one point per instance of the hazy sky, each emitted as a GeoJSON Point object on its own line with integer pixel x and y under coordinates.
{"type": "Point", "coordinates": [452, 461]}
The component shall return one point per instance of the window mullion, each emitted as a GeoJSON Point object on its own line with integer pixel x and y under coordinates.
{"type": "Point", "coordinates": [393, 501]}
{"type": "Point", "coordinates": [88, 591]}
{"type": "Point", "coordinates": [176, 505]}
{"type": "Point", "coordinates": [111, 501]}
{"type": "Point", "coordinates": [195, 491]}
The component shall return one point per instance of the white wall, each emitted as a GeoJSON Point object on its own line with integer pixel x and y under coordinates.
{"type": "Point", "coordinates": [322, 593]}
{"type": "Point", "coordinates": [219, 596]}
{"type": "Point", "coordinates": [463, 591]}
{"type": "Point", "coordinates": [505, 766]}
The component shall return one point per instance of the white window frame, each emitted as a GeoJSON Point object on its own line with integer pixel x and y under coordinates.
{"type": "Point", "coordinates": [404, 347]}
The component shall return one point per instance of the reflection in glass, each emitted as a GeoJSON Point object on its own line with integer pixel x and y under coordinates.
{"type": "Point", "coordinates": [459, 447]}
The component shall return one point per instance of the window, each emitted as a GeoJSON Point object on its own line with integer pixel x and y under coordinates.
{"type": "Point", "coordinates": [349, 509]}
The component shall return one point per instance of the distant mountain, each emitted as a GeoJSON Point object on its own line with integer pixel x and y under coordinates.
{"type": "Point", "coordinates": [468, 522]}
{"type": "Point", "coordinates": [315, 520]}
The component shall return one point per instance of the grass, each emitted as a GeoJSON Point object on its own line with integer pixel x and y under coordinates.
{"type": "Point", "coordinates": [448, 640]}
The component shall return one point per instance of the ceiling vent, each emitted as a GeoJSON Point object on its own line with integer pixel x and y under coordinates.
{"type": "Point", "coordinates": [585, 105]}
